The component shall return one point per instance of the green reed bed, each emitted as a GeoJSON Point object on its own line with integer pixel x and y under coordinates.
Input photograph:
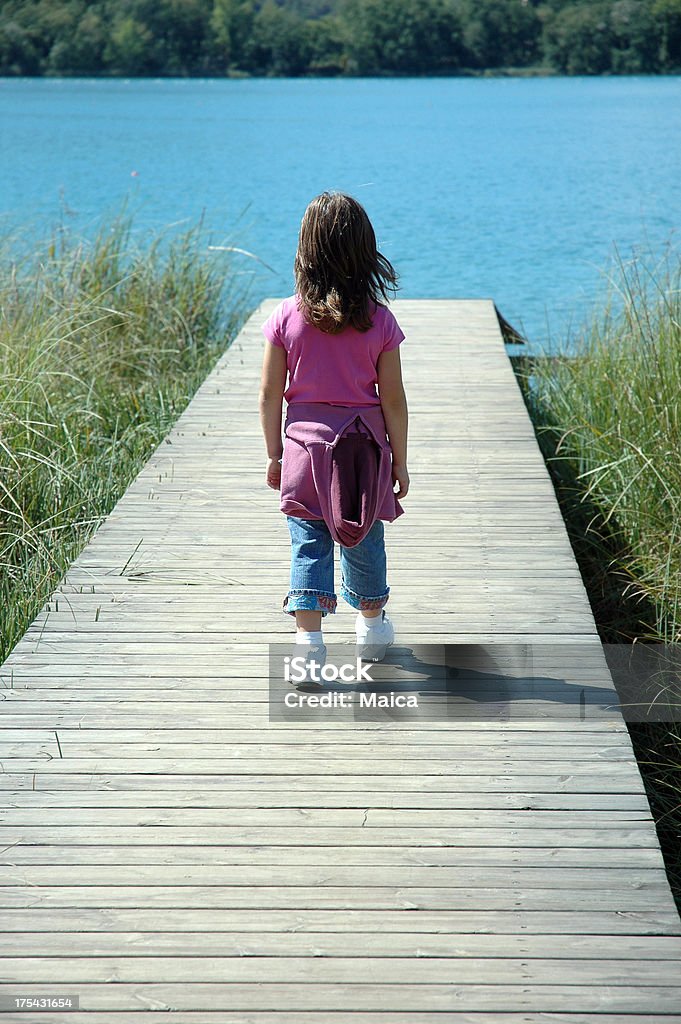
{"type": "Point", "coordinates": [102, 345]}
{"type": "Point", "coordinates": [608, 418]}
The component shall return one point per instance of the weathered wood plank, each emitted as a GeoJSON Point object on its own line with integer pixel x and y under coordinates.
{"type": "Point", "coordinates": [427, 787]}
{"type": "Point", "coordinates": [355, 996]}
{"type": "Point", "coordinates": [343, 970]}
{"type": "Point", "coordinates": [470, 798]}
{"type": "Point", "coordinates": [257, 922]}
{"type": "Point", "coordinates": [325, 817]}
{"type": "Point", "coordinates": [403, 876]}
{"type": "Point", "coordinates": [397, 770]}
{"type": "Point", "coordinates": [341, 898]}
{"type": "Point", "coordinates": [291, 732]}
{"type": "Point", "coordinates": [634, 835]}
{"type": "Point", "coordinates": [227, 1016]}
{"type": "Point", "coordinates": [381, 944]}
{"type": "Point", "coordinates": [512, 855]}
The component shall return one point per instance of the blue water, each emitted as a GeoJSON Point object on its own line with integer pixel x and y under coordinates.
{"type": "Point", "coordinates": [515, 189]}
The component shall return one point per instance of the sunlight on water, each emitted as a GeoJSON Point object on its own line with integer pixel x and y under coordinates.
{"type": "Point", "coordinates": [514, 189]}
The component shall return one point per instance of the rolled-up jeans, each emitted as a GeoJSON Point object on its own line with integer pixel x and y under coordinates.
{"type": "Point", "coordinates": [363, 568]}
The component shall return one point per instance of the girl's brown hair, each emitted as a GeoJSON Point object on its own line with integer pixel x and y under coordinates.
{"type": "Point", "coordinates": [339, 272]}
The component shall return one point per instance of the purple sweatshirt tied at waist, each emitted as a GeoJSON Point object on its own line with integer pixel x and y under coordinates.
{"type": "Point", "coordinates": [337, 466]}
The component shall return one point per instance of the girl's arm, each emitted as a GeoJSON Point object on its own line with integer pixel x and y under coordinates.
{"type": "Point", "coordinates": [394, 406]}
{"type": "Point", "coordinates": [271, 399]}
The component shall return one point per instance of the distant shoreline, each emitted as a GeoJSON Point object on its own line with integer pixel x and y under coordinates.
{"type": "Point", "coordinates": [341, 75]}
{"type": "Point", "coordinates": [340, 38]}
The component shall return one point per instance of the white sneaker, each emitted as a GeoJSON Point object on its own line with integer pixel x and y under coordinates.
{"type": "Point", "coordinates": [374, 636]}
{"type": "Point", "coordinates": [315, 659]}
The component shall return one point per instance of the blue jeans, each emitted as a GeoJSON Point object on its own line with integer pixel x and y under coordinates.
{"type": "Point", "coordinates": [363, 568]}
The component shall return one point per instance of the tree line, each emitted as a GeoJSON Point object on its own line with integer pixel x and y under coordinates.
{"type": "Point", "coordinates": [337, 37]}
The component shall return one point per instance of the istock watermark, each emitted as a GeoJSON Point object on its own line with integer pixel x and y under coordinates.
{"type": "Point", "coordinates": [577, 680]}
{"type": "Point", "coordinates": [25, 1002]}
{"type": "Point", "coordinates": [298, 669]}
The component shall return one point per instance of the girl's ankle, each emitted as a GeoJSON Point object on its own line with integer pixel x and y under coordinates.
{"type": "Point", "coordinates": [309, 636]}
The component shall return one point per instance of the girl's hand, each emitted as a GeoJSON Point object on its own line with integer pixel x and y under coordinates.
{"type": "Point", "coordinates": [273, 474]}
{"type": "Point", "coordinates": [401, 477]}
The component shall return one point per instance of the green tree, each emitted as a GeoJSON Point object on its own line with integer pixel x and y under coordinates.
{"type": "Point", "coordinates": [181, 29]}
{"type": "Point", "coordinates": [230, 28]}
{"type": "Point", "coordinates": [578, 39]}
{"type": "Point", "coordinates": [18, 52]}
{"type": "Point", "coordinates": [281, 42]}
{"type": "Point", "coordinates": [500, 33]}
{"type": "Point", "coordinates": [80, 52]}
{"type": "Point", "coordinates": [667, 14]}
{"type": "Point", "coordinates": [401, 36]}
{"type": "Point", "coordinates": [328, 46]}
{"type": "Point", "coordinates": [57, 19]}
{"type": "Point", "coordinates": [28, 31]}
{"type": "Point", "coordinates": [130, 48]}
{"type": "Point", "coordinates": [635, 38]}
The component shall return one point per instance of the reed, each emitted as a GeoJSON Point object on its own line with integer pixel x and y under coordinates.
{"type": "Point", "coordinates": [608, 418]}
{"type": "Point", "coordinates": [102, 345]}
{"type": "Point", "coordinates": [611, 413]}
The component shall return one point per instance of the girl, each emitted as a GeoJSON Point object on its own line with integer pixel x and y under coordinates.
{"type": "Point", "coordinates": [339, 344]}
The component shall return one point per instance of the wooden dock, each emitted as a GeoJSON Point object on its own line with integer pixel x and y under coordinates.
{"type": "Point", "coordinates": [169, 853]}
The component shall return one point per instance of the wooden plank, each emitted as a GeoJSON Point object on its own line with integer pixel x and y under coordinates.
{"type": "Point", "coordinates": [543, 731]}
{"type": "Point", "coordinates": [313, 768]}
{"type": "Point", "coordinates": [61, 745]}
{"type": "Point", "coordinates": [226, 1016]}
{"type": "Point", "coordinates": [637, 834]}
{"type": "Point", "coordinates": [342, 970]}
{"type": "Point", "coordinates": [472, 798]}
{"type": "Point", "coordinates": [339, 898]}
{"type": "Point", "coordinates": [83, 943]}
{"type": "Point", "coordinates": [287, 732]}
{"type": "Point", "coordinates": [511, 855]}
{"type": "Point", "coordinates": [428, 787]}
{"type": "Point", "coordinates": [404, 876]}
{"type": "Point", "coordinates": [512, 924]}
{"type": "Point", "coordinates": [356, 996]}
{"type": "Point", "coordinates": [330, 817]}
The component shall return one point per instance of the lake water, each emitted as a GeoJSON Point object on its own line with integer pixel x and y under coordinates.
{"type": "Point", "coordinates": [514, 189]}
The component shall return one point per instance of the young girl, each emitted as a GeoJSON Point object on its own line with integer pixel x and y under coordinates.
{"type": "Point", "coordinates": [345, 443]}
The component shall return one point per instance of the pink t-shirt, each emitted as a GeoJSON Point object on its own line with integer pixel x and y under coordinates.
{"type": "Point", "coordinates": [335, 368]}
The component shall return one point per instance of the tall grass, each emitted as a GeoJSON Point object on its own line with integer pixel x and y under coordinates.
{"type": "Point", "coordinates": [608, 418]}
{"type": "Point", "coordinates": [102, 344]}
{"type": "Point", "coordinates": [612, 413]}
